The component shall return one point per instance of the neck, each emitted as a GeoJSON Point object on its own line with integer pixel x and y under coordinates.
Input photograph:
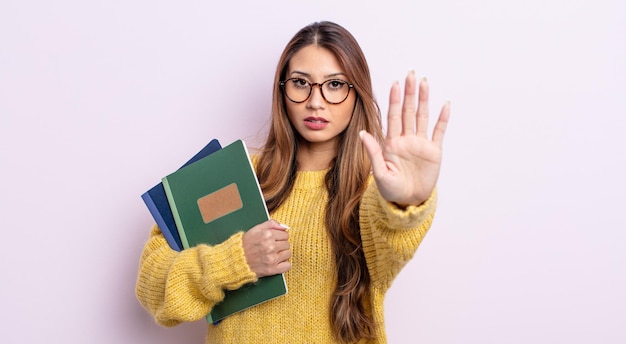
{"type": "Point", "coordinates": [312, 157]}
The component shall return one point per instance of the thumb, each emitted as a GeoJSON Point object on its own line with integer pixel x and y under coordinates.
{"type": "Point", "coordinates": [374, 151]}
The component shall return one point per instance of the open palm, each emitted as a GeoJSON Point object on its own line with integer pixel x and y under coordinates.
{"type": "Point", "coordinates": [407, 165]}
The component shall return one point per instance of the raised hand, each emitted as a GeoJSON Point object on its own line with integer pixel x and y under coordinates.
{"type": "Point", "coordinates": [407, 165]}
{"type": "Point", "coordinates": [267, 249]}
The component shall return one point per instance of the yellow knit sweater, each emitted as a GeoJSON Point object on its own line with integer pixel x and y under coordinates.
{"type": "Point", "coordinates": [183, 286]}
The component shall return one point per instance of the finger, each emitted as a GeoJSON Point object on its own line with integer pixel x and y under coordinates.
{"type": "Point", "coordinates": [422, 109]}
{"type": "Point", "coordinates": [283, 264]}
{"type": "Point", "coordinates": [394, 116]}
{"type": "Point", "coordinates": [442, 124]}
{"type": "Point", "coordinates": [280, 235]}
{"type": "Point", "coordinates": [273, 224]}
{"type": "Point", "coordinates": [281, 254]}
{"type": "Point", "coordinates": [283, 267]}
{"type": "Point", "coordinates": [281, 246]}
{"type": "Point", "coordinates": [408, 105]}
{"type": "Point", "coordinates": [374, 151]}
{"type": "Point", "coordinates": [284, 255]}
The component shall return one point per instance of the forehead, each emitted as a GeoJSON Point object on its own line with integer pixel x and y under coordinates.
{"type": "Point", "coordinates": [315, 61]}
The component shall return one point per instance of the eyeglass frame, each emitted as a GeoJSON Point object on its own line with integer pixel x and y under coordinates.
{"type": "Point", "coordinates": [311, 85]}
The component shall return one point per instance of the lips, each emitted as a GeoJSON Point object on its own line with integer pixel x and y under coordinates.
{"type": "Point", "coordinates": [315, 123]}
{"type": "Point", "coordinates": [315, 119]}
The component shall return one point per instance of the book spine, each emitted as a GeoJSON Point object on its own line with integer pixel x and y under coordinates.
{"type": "Point", "coordinates": [160, 221]}
{"type": "Point", "coordinates": [179, 224]}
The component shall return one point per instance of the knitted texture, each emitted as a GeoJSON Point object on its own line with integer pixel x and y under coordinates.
{"type": "Point", "coordinates": [176, 287]}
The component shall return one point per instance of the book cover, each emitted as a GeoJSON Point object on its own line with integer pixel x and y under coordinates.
{"type": "Point", "coordinates": [213, 199]}
{"type": "Point", "coordinates": [158, 205]}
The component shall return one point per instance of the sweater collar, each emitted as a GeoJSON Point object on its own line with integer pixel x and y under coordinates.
{"type": "Point", "coordinates": [310, 179]}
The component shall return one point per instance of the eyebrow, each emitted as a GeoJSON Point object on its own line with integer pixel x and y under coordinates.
{"type": "Point", "coordinates": [332, 75]}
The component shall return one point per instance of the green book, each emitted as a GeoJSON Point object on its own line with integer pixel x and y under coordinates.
{"type": "Point", "coordinates": [211, 200]}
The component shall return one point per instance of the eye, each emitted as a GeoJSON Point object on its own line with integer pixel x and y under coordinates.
{"type": "Point", "coordinates": [336, 85]}
{"type": "Point", "coordinates": [299, 83]}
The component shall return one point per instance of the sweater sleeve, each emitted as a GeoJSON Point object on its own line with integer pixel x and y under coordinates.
{"type": "Point", "coordinates": [390, 234]}
{"type": "Point", "coordinates": [184, 286]}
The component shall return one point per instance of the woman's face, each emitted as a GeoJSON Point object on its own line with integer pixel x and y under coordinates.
{"type": "Point", "coordinates": [319, 122]}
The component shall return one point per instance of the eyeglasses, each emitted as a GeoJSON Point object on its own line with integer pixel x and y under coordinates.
{"type": "Point", "coordinates": [334, 91]}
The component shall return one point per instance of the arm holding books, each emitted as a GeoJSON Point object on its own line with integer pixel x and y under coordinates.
{"type": "Point", "coordinates": [214, 201]}
{"type": "Point", "coordinates": [184, 286]}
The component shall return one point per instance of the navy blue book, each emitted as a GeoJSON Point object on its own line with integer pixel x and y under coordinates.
{"type": "Point", "coordinates": [156, 201]}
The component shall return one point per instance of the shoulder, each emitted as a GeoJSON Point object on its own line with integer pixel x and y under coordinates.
{"type": "Point", "coordinates": [254, 158]}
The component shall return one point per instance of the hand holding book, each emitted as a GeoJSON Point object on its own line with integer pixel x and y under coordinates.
{"type": "Point", "coordinates": [267, 249]}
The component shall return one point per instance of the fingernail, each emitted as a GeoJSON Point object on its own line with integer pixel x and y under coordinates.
{"type": "Point", "coordinates": [285, 226]}
{"type": "Point", "coordinates": [424, 79]}
{"type": "Point", "coordinates": [361, 133]}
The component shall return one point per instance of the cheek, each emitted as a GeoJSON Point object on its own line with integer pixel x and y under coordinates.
{"type": "Point", "coordinates": [291, 111]}
{"type": "Point", "coordinates": [347, 110]}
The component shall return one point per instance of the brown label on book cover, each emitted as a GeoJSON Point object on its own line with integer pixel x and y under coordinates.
{"type": "Point", "coordinates": [220, 203]}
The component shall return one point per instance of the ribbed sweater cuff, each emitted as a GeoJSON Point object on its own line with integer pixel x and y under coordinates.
{"type": "Point", "coordinates": [225, 265]}
{"type": "Point", "coordinates": [397, 217]}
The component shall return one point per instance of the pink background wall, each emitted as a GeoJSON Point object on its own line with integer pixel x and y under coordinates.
{"type": "Point", "coordinates": [100, 99]}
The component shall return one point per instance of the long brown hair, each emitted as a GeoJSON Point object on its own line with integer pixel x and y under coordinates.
{"type": "Point", "coordinates": [346, 180]}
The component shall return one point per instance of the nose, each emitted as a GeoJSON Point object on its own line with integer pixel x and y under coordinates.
{"type": "Point", "coordinates": [316, 100]}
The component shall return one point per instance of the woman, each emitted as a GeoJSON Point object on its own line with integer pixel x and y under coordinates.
{"type": "Point", "coordinates": [357, 210]}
